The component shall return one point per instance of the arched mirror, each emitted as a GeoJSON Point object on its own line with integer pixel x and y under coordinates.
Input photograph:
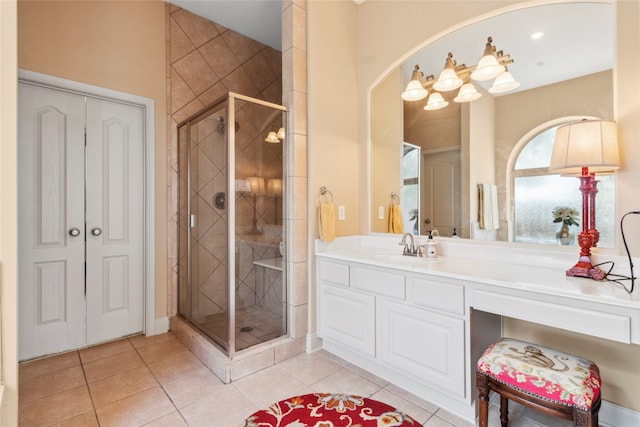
{"type": "Point", "coordinates": [563, 61]}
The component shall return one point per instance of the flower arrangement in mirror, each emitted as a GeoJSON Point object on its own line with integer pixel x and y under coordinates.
{"type": "Point", "coordinates": [567, 217]}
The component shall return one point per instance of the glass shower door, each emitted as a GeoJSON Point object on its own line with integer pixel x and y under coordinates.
{"type": "Point", "coordinates": [260, 285]}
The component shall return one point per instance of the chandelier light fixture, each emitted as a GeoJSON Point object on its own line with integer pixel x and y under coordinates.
{"type": "Point", "coordinates": [275, 137]}
{"type": "Point", "coordinates": [492, 65]}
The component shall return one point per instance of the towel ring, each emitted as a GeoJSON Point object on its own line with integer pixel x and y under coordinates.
{"type": "Point", "coordinates": [394, 198]}
{"type": "Point", "coordinates": [326, 193]}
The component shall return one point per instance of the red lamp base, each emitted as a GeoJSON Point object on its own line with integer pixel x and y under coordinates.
{"type": "Point", "coordinates": [584, 268]}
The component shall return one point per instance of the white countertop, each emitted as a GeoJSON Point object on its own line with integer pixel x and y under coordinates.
{"type": "Point", "coordinates": [518, 267]}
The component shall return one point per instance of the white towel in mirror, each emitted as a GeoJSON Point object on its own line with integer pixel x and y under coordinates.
{"type": "Point", "coordinates": [488, 207]}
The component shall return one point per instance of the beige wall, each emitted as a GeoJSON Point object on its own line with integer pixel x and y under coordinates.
{"type": "Point", "coordinates": [115, 45]}
{"type": "Point", "coordinates": [334, 149]}
{"type": "Point", "coordinates": [387, 31]}
{"type": "Point", "coordinates": [8, 216]}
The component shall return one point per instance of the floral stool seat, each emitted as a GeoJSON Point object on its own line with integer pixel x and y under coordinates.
{"type": "Point", "coordinates": [540, 378]}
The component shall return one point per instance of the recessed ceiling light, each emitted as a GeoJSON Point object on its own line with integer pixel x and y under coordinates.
{"type": "Point", "coordinates": [536, 36]}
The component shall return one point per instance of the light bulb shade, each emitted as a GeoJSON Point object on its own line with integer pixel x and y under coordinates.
{"type": "Point", "coordinates": [274, 186]}
{"type": "Point", "coordinates": [435, 102]}
{"type": "Point", "coordinates": [588, 143]}
{"type": "Point", "coordinates": [448, 80]}
{"type": "Point", "coordinates": [488, 68]}
{"type": "Point", "coordinates": [256, 183]}
{"type": "Point", "coordinates": [272, 138]}
{"type": "Point", "coordinates": [415, 91]}
{"type": "Point", "coordinates": [280, 134]}
{"type": "Point", "coordinates": [504, 83]}
{"type": "Point", "coordinates": [467, 93]}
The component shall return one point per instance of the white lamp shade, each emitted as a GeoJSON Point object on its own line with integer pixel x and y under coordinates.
{"type": "Point", "coordinates": [280, 134]}
{"type": "Point", "coordinates": [588, 143]}
{"type": "Point", "coordinates": [448, 80]}
{"type": "Point", "coordinates": [504, 83]}
{"type": "Point", "coordinates": [467, 93]}
{"type": "Point", "coordinates": [274, 186]}
{"type": "Point", "coordinates": [272, 138]}
{"type": "Point", "coordinates": [415, 91]}
{"type": "Point", "coordinates": [256, 183]}
{"type": "Point", "coordinates": [488, 68]}
{"type": "Point", "coordinates": [435, 102]}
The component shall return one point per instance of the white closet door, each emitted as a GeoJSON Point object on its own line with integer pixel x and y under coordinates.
{"type": "Point", "coordinates": [51, 208]}
{"type": "Point", "coordinates": [115, 220]}
{"type": "Point", "coordinates": [98, 190]}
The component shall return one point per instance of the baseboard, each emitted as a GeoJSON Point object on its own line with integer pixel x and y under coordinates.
{"type": "Point", "coordinates": [161, 326]}
{"type": "Point", "coordinates": [314, 342]}
{"type": "Point", "coordinates": [612, 415]}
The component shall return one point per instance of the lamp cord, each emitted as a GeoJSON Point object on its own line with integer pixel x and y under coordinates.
{"type": "Point", "coordinates": [619, 277]}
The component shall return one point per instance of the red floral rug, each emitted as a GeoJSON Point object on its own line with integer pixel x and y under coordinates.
{"type": "Point", "coordinates": [329, 410]}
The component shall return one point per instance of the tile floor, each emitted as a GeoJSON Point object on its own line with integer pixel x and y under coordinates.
{"type": "Point", "coordinates": [157, 381]}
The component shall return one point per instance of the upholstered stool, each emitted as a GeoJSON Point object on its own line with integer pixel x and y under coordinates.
{"type": "Point", "coordinates": [540, 378]}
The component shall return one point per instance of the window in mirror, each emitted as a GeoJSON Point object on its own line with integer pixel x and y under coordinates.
{"type": "Point", "coordinates": [537, 193]}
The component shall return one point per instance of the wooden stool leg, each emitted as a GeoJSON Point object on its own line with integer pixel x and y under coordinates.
{"type": "Point", "coordinates": [504, 411]}
{"type": "Point", "coordinates": [483, 399]}
{"type": "Point", "coordinates": [585, 418]}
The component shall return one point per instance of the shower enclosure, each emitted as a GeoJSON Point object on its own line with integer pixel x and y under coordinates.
{"type": "Point", "coordinates": [231, 282]}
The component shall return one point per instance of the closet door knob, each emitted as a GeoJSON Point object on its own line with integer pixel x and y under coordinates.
{"type": "Point", "coordinates": [74, 232]}
{"type": "Point", "coordinates": [96, 231]}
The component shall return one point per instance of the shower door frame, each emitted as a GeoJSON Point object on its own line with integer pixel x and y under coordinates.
{"type": "Point", "coordinates": [230, 99]}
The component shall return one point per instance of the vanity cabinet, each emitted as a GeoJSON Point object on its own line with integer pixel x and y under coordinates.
{"type": "Point", "coordinates": [422, 344]}
{"type": "Point", "coordinates": [348, 318]}
{"type": "Point", "coordinates": [407, 328]}
{"type": "Point", "coordinates": [422, 325]}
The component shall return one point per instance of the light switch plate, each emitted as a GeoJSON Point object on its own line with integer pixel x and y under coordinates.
{"type": "Point", "coordinates": [341, 213]}
{"type": "Point", "coordinates": [380, 212]}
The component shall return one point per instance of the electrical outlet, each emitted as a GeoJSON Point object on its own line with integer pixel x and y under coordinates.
{"type": "Point", "coordinates": [380, 212]}
{"type": "Point", "coordinates": [341, 213]}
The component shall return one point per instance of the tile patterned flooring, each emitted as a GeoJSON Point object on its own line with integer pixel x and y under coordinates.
{"type": "Point", "coordinates": [156, 381]}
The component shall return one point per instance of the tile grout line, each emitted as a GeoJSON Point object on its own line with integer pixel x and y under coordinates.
{"type": "Point", "coordinates": [175, 407]}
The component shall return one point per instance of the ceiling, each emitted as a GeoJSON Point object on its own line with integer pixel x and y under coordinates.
{"type": "Point", "coordinates": [260, 20]}
{"type": "Point", "coordinates": [578, 37]}
{"type": "Point", "coordinates": [578, 40]}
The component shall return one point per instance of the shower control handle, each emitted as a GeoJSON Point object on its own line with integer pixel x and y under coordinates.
{"type": "Point", "coordinates": [96, 231]}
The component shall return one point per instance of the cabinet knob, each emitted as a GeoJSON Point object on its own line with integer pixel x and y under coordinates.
{"type": "Point", "coordinates": [74, 232]}
{"type": "Point", "coordinates": [96, 231]}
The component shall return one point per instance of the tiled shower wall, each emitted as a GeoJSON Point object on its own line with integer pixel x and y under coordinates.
{"type": "Point", "coordinates": [205, 62]}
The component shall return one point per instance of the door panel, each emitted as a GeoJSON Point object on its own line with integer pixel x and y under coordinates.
{"type": "Point", "coordinates": [51, 203]}
{"type": "Point", "coordinates": [115, 222]}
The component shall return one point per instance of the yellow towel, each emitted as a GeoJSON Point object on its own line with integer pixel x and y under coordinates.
{"type": "Point", "coordinates": [327, 221]}
{"type": "Point", "coordinates": [395, 220]}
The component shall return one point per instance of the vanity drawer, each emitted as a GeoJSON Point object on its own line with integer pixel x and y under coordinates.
{"type": "Point", "coordinates": [333, 272]}
{"type": "Point", "coordinates": [610, 326]}
{"type": "Point", "coordinates": [378, 281]}
{"type": "Point", "coordinates": [435, 293]}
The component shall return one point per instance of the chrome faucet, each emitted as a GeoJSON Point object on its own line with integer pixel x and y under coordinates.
{"type": "Point", "coordinates": [410, 249]}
